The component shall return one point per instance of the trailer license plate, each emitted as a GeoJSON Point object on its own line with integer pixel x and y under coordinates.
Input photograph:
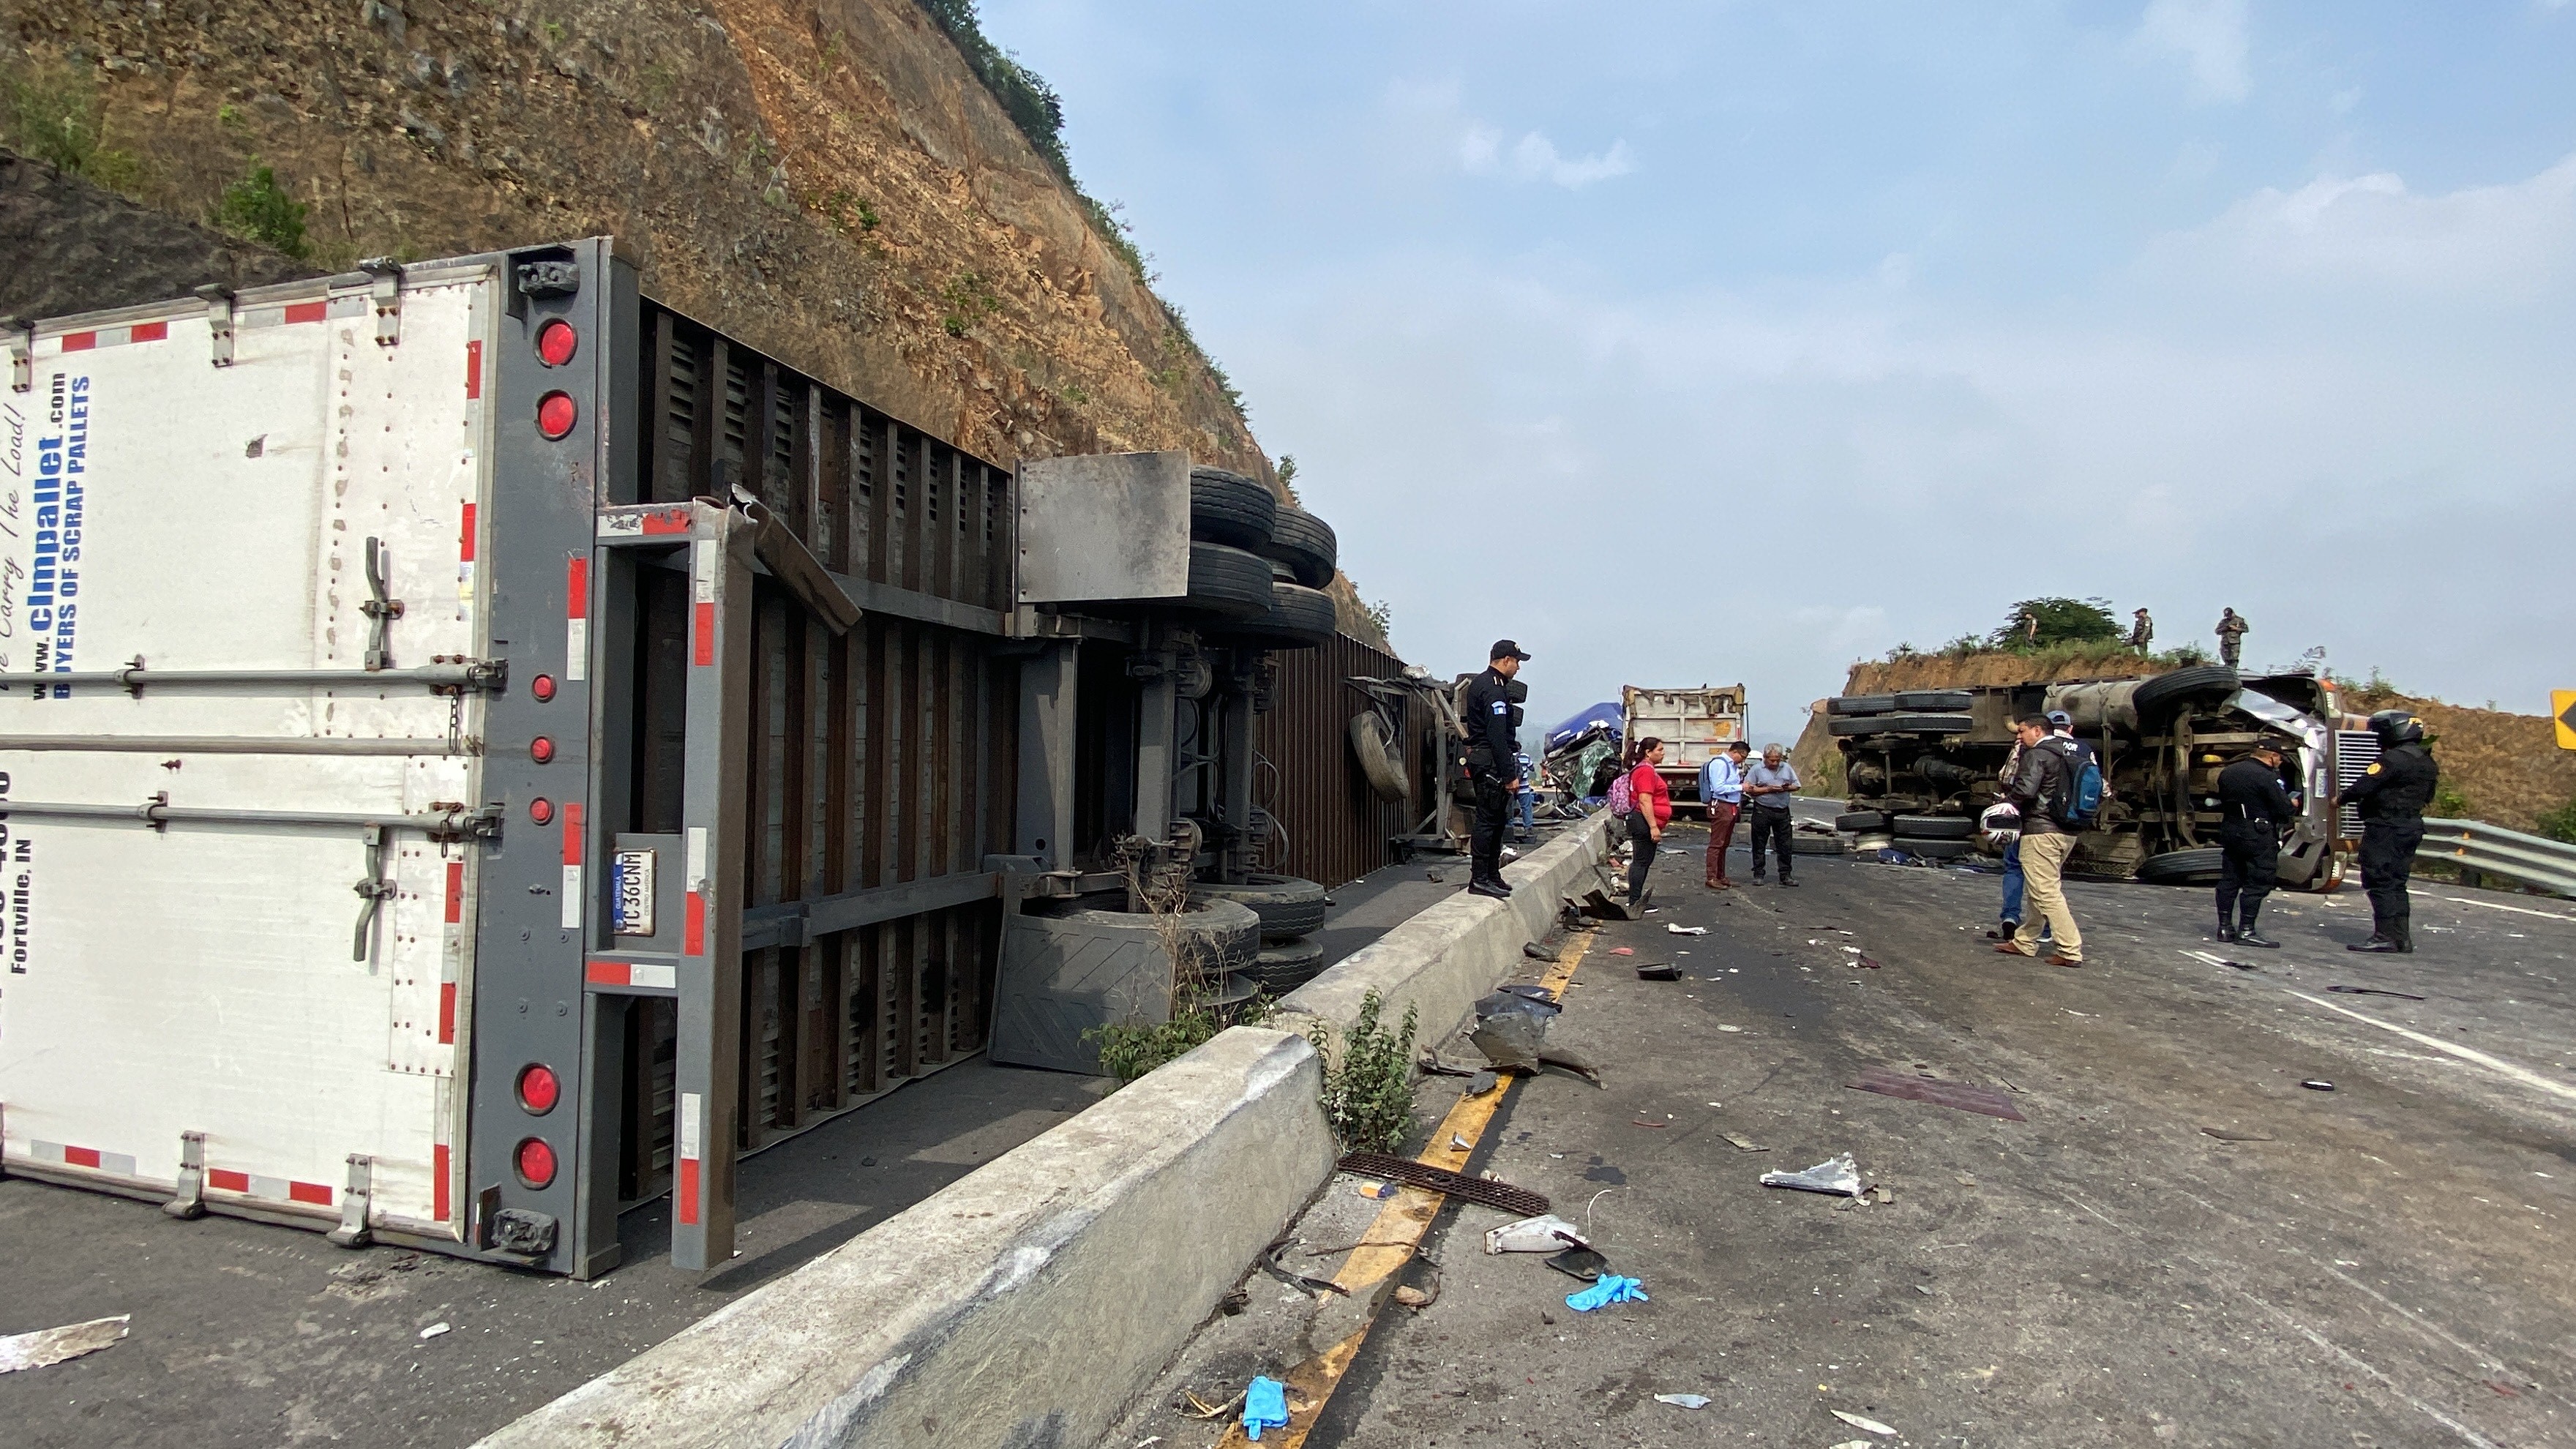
{"type": "Point", "coordinates": [630, 881]}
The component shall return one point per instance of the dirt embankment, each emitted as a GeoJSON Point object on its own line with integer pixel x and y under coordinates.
{"type": "Point", "coordinates": [825, 179]}
{"type": "Point", "coordinates": [2507, 768]}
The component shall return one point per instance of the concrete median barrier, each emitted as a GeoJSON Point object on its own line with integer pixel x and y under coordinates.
{"type": "Point", "coordinates": [1031, 1300]}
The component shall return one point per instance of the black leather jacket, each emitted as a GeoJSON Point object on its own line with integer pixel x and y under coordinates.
{"type": "Point", "coordinates": [2038, 785]}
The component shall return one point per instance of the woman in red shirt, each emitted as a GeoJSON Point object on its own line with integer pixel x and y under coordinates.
{"type": "Point", "coordinates": [1650, 812]}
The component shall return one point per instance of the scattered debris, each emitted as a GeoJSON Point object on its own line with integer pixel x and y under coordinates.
{"type": "Point", "coordinates": [1265, 1406]}
{"type": "Point", "coordinates": [2373, 991]}
{"type": "Point", "coordinates": [1378, 1190]}
{"type": "Point", "coordinates": [1641, 1122]}
{"type": "Point", "coordinates": [1482, 1083]}
{"type": "Point", "coordinates": [1539, 951]}
{"type": "Point", "coordinates": [2317, 1084]}
{"type": "Point", "coordinates": [1431, 1065]}
{"type": "Point", "coordinates": [1609, 1288]}
{"type": "Point", "coordinates": [1866, 1426]}
{"type": "Point", "coordinates": [48, 1346]}
{"type": "Point", "coordinates": [1742, 1145]}
{"type": "Point", "coordinates": [1319, 1287]}
{"type": "Point", "coordinates": [1985, 1100]}
{"type": "Point", "coordinates": [1233, 1303]}
{"type": "Point", "coordinates": [1441, 1180]}
{"type": "Point", "coordinates": [1623, 950]}
{"type": "Point", "coordinates": [1837, 1175]}
{"type": "Point", "coordinates": [1867, 963]}
{"type": "Point", "coordinates": [1579, 1263]}
{"type": "Point", "coordinates": [1433, 876]}
{"type": "Point", "coordinates": [434, 1330]}
{"type": "Point", "coordinates": [1545, 1233]}
{"type": "Point", "coordinates": [1685, 930]}
{"type": "Point", "coordinates": [1201, 1409]}
{"type": "Point", "coordinates": [1658, 971]}
{"type": "Point", "coordinates": [1684, 1401]}
{"type": "Point", "coordinates": [2223, 1135]}
{"type": "Point", "coordinates": [1724, 1027]}
{"type": "Point", "coordinates": [1539, 994]}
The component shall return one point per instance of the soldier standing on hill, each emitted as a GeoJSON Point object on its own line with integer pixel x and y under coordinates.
{"type": "Point", "coordinates": [2391, 796]}
{"type": "Point", "coordinates": [2231, 637]}
{"type": "Point", "coordinates": [2143, 632]}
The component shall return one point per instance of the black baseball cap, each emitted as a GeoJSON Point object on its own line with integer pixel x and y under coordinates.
{"type": "Point", "coordinates": [1505, 649]}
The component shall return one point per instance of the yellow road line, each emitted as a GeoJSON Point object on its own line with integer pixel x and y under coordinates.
{"type": "Point", "coordinates": [1392, 1238]}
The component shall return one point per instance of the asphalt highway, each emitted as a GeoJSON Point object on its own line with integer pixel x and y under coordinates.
{"type": "Point", "coordinates": [2181, 1243]}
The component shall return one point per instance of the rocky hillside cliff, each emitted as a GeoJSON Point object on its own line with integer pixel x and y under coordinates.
{"type": "Point", "coordinates": [826, 179]}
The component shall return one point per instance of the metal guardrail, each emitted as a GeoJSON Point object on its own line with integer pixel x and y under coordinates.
{"type": "Point", "coordinates": [2494, 850]}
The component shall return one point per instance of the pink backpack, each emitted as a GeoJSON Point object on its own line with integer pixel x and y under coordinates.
{"type": "Point", "coordinates": [1623, 795]}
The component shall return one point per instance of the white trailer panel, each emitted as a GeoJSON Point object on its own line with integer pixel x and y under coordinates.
{"type": "Point", "coordinates": [203, 988]}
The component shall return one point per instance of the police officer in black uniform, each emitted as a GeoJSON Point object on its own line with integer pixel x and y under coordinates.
{"type": "Point", "coordinates": [2391, 798]}
{"type": "Point", "coordinates": [1492, 715]}
{"type": "Point", "coordinates": [2257, 809]}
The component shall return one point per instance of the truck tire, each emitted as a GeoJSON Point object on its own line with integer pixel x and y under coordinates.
{"type": "Point", "coordinates": [2183, 686]}
{"type": "Point", "coordinates": [1371, 747]}
{"type": "Point", "coordinates": [1298, 618]}
{"type": "Point", "coordinates": [2197, 866]}
{"type": "Point", "coordinates": [1288, 907]}
{"type": "Point", "coordinates": [1227, 582]}
{"type": "Point", "coordinates": [1283, 968]}
{"type": "Point", "coordinates": [1304, 543]}
{"type": "Point", "coordinates": [1861, 822]}
{"type": "Point", "coordinates": [1230, 509]}
{"type": "Point", "coordinates": [1226, 934]}
{"type": "Point", "coordinates": [1934, 701]}
{"type": "Point", "coordinates": [1935, 849]}
{"type": "Point", "coordinates": [1935, 827]}
{"type": "Point", "coordinates": [1802, 844]}
{"type": "Point", "coordinates": [1860, 704]}
{"type": "Point", "coordinates": [1899, 724]}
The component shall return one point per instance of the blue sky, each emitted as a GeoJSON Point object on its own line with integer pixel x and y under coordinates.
{"type": "Point", "coordinates": [1727, 342]}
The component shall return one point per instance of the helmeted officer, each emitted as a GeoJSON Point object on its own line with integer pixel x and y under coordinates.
{"type": "Point", "coordinates": [1492, 715]}
{"type": "Point", "coordinates": [2257, 808]}
{"type": "Point", "coordinates": [2391, 796]}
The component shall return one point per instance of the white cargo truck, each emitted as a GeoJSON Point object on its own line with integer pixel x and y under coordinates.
{"type": "Point", "coordinates": [480, 751]}
{"type": "Point", "coordinates": [1696, 725]}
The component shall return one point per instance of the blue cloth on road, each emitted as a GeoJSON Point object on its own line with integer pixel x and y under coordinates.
{"type": "Point", "coordinates": [1608, 1288]}
{"type": "Point", "coordinates": [1265, 1406]}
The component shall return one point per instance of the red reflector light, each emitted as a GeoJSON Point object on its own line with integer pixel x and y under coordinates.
{"type": "Point", "coordinates": [543, 687]}
{"type": "Point", "coordinates": [541, 810]}
{"type": "Point", "coordinates": [541, 749]}
{"type": "Point", "coordinates": [538, 1089]}
{"type": "Point", "coordinates": [555, 414]}
{"type": "Point", "coordinates": [556, 343]}
{"type": "Point", "coordinates": [536, 1162]}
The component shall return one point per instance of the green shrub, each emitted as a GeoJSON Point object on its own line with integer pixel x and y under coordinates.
{"type": "Point", "coordinates": [51, 113]}
{"type": "Point", "coordinates": [1129, 1050]}
{"type": "Point", "coordinates": [2558, 824]}
{"type": "Point", "coordinates": [1368, 1083]}
{"type": "Point", "coordinates": [256, 208]}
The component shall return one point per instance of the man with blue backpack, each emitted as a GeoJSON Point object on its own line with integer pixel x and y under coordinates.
{"type": "Point", "coordinates": [2057, 787]}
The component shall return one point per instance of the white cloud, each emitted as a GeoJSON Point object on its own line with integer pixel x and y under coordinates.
{"type": "Point", "coordinates": [1535, 158]}
{"type": "Point", "coordinates": [2499, 244]}
{"type": "Point", "coordinates": [2207, 35]}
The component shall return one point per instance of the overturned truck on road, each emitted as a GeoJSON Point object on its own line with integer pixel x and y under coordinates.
{"type": "Point", "coordinates": [1922, 764]}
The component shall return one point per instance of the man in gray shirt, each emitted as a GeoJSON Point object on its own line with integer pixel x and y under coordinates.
{"type": "Point", "coordinates": [1768, 789]}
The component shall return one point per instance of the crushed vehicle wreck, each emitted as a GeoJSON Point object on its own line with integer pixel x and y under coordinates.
{"type": "Point", "coordinates": [1922, 764]}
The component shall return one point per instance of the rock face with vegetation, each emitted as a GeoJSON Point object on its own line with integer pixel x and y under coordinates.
{"type": "Point", "coordinates": [866, 189]}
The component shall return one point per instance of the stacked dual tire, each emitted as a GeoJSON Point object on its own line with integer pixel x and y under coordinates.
{"type": "Point", "coordinates": [1906, 712]}
{"type": "Point", "coordinates": [1289, 912]}
{"type": "Point", "coordinates": [1258, 567]}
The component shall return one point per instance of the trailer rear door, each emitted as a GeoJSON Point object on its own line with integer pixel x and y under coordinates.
{"type": "Point", "coordinates": [241, 907]}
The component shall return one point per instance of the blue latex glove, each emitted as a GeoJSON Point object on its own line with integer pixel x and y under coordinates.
{"type": "Point", "coordinates": [1265, 1406]}
{"type": "Point", "coordinates": [1608, 1288]}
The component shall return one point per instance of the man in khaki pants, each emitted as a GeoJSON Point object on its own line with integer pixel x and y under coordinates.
{"type": "Point", "coordinates": [2041, 788]}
